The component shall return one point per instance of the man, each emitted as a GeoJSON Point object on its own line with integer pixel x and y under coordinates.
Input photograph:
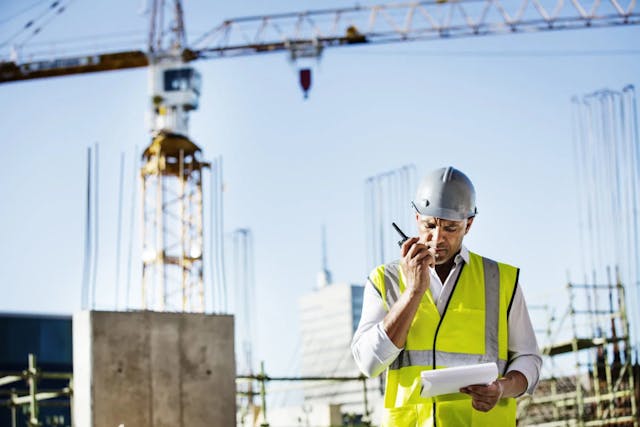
{"type": "Point", "coordinates": [441, 306]}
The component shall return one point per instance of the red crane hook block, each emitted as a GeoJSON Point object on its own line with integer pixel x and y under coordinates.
{"type": "Point", "coordinates": [305, 80]}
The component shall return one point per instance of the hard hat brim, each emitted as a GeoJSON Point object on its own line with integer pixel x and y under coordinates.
{"type": "Point", "coordinates": [443, 213]}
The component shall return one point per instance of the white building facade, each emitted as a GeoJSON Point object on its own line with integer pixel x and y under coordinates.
{"type": "Point", "coordinates": [329, 317]}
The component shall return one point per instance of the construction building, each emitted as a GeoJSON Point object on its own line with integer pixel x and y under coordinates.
{"type": "Point", "coordinates": [329, 316]}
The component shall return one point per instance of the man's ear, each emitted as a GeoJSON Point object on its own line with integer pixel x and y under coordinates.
{"type": "Point", "coordinates": [469, 222]}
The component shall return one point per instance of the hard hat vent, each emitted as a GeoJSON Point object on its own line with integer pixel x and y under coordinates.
{"type": "Point", "coordinates": [447, 174]}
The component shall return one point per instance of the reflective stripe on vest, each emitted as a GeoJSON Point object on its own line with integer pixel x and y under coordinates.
{"type": "Point", "coordinates": [479, 302]}
{"type": "Point", "coordinates": [425, 358]}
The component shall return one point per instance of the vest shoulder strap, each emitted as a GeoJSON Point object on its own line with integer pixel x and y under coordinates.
{"type": "Point", "coordinates": [387, 281]}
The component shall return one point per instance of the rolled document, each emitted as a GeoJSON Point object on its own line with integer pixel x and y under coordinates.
{"type": "Point", "coordinates": [451, 380]}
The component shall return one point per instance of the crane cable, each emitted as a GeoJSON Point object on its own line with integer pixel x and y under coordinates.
{"type": "Point", "coordinates": [56, 8]}
{"type": "Point", "coordinates": [26, 9]}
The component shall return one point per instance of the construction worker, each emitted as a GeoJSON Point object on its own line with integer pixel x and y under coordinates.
{"type": "Point", "coordinates": [441, 306]}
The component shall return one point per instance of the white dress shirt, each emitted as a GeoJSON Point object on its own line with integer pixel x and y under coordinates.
{"type": "Point", "coordinates": [374, 351]}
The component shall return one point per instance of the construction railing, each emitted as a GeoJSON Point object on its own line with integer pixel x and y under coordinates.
{"type": "Point", "coordinates": [261, 379]}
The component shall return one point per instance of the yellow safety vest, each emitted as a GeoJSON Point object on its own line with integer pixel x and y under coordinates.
{"type": "Point", "coordinates": [472, 329]}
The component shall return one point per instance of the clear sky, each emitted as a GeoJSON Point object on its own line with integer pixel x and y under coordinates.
{"type": "Point", "coordinates": [496, 107]}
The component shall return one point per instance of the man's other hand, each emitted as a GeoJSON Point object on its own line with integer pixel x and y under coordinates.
{"type": "Point", "coordinates": [484, 397]}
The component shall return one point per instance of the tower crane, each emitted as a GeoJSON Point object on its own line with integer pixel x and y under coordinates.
{"type": "Point", "coordinates": [173, 165]}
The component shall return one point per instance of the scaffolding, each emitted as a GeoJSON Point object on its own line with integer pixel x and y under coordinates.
{"type": "Point", "coordinates": [603, 391]}
{"type": "Point", "coordinates": [31, 399]}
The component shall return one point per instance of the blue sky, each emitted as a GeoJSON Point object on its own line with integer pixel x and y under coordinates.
{"type": "Point", "coordinates": [501, 113]}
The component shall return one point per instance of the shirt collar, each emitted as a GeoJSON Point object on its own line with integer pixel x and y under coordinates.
{"type": "Point", "coordinates": [463, 255]}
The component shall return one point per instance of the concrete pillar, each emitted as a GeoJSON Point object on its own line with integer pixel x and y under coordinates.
{"type": "Point", "coordinates": [153, 369]}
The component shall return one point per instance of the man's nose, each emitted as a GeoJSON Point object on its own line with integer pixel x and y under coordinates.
{"type": "Point", "coordinates": [437, 235]}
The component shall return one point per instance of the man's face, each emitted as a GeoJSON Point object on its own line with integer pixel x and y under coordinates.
{"type": "Point", "coordinates": [446, 234]}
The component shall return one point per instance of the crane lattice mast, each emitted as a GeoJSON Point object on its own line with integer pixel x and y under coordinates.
{"type": "Point", "coordinates": [171, 173]}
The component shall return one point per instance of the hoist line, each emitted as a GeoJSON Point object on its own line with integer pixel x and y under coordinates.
{"type": "Point", "coordinates": [60, 9]}
{"type": "Point", "coordinates": [24, 10]}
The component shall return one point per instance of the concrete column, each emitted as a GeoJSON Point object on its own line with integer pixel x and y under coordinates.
{"type": "Point", "coordinates": [153, 369]}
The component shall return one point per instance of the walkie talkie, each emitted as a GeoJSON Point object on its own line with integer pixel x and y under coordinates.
{"type": "Point", "coordinates": [404, 236]}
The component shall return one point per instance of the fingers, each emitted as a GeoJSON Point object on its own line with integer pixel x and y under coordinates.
{"type": "Point", "coordinates": [482, 393]}
{"type": "Point", "coordinates": [482, 406]}
{"type": "Point", "coordinates": [407, 245]}
{"type": "Point", "coordinates": [493, 390]}
{"type": "Point", "coordinates": [404, 249]}
{"type": "Point", "coordinates": [412, 248]}
{"type": "Point", "coordinates": [419, 254]}
{"type": "Point", "coordinates": [483, 397]}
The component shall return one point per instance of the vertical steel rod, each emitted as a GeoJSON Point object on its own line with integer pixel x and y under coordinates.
{"type": "Point", "coordinates": [119, 231]}
{"type": "Point", "coordinates": [14, 396]}
{"type": "Point", "coordinates": [32, 374]}
{"type": "Point", "coordinates": [96, 229]}
{"type": "Point", "coordinates": [184, 247]}
{"type": "Point", "coordinates": [367, 414]}
{"type": "Point", "coordinates": [263, 395]}
{"type": "Point", "coordinates": [131, 228]}
{"type": "Point", "coordinates": [86, 268]}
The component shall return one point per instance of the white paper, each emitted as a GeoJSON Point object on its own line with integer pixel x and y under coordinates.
{"type": "Point", "coordinates": [451, 380]}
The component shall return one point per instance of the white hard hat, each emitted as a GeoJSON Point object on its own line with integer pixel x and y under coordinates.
{"type": "Point", "coordinates": [446, 193]}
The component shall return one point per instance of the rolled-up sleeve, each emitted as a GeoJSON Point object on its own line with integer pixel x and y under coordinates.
{"type": "Point", "coordinates": [372, 349]}
{"type": "Point", "coordinates": [524, 354]}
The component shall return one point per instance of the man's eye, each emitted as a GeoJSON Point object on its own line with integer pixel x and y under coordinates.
{"type": "Point", "coordinates": [451, 229]}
